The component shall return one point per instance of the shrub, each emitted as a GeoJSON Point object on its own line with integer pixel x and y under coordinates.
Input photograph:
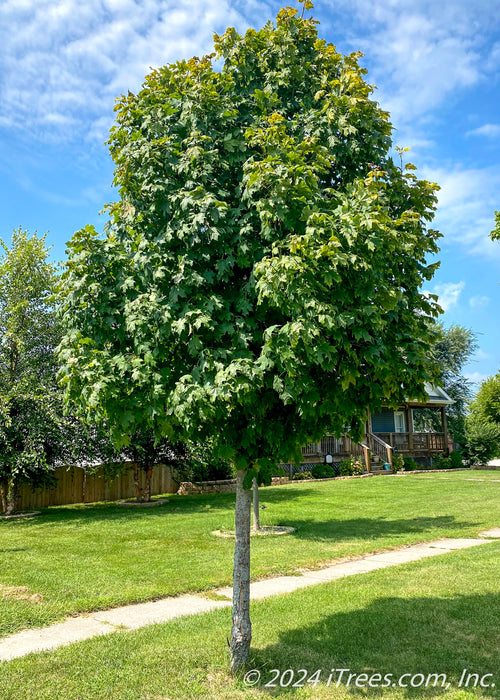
{"type": "Point", "coordinates": [441, 461]}
{"type": "Point", "coordinates": [397, 462]}
{"type": "Point", "coordinates": [345, 468]}
{"type": "Point", "coordinates": [351, 466]}
{"type": "Point", "coordinates": [482, 439]}
{"type": "Point", "coordinates": [200, 465]}
{"type": "Point", "coordinates": [322, 471]}
{"type": "Point", "coordinates": [456, 460]}
{"type": "Point", "coordinates": [299, 476]}
{"type": "Point", "coordinates": [410, 464]}
{"type": "Point", "coordinates": [358, 466]}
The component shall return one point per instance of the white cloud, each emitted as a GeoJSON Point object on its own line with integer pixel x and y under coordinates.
{"type": "Point", "coordinates": [476, 377]}
{"type": "Point", "coordinates": [448, 293]}
{"type": "Point", "coordinates": [480, 355]}
{"type": "Point", "coordinates": [467, 201]}
{"type": "Point", "coordinates": [489, 130]}
{"type": "Point", "coordinates": [479, 302]}
{"type": "Point", "coordinates": [420, 54]}
{"type": "Point", "coordinates": [63, 62]}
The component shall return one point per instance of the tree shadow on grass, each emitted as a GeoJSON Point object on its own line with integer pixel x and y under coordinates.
{"type": "Point", "coordinates": [177, 505]}
{"type": "Point", "coordinates": [110, 511]}
{"type": "Point", "coordinates": [396, 636]}
{"type": "Point", "coordinates": [327, 531]}
{"type": "Point", "coordinates": [373, 528]}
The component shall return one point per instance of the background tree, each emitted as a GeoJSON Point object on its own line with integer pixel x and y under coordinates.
{"type": "Point", "coordinates": [35, 435]}
{"type": "Point", "coordinates": [452, 350]}
{"type": "Point", "coordinates": [483, 422]}
{"type": "Point", "coordinates": [482, 439]}
{"type": "Point", "coordinates": [486, 403]}
{"type": "Point", "coordinates": [259, 281]}
{"type": "Point", "coordinates": [145, 451]}
{"type": "Point", "coordinates": [495, 234]}
{"type": "Point", "coordinates": [482, 429]}
{"type": "Point", "coordinates": [28, 326]}
{"type": "Point", "coordinates": [29, 429]}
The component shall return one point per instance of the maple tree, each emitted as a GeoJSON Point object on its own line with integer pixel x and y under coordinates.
{"type": "Point", "coordinates": [259, 281]}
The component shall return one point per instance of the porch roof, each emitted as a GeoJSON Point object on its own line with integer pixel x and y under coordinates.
{"type": "Point", "coordinates": [437, 397]}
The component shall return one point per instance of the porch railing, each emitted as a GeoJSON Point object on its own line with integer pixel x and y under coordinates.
{"type": "Point", "coordinates": [378, 447]}
{"type": "Point", "coordinates": [414, 442]}
{"type": "Point", "coordinates": [343, 446]}
{"type": "Point", "coordinates": [379, 444]}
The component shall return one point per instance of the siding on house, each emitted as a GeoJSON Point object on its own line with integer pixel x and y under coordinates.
{"type": "Point", "coordinates": [383, 422]}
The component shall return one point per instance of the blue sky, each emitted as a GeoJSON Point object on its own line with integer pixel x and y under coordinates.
{"type": "Point", "coordinates": [436, 66]}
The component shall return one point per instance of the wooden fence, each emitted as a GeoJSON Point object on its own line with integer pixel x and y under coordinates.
{"type": "Point", "coordinates": [74, 486]}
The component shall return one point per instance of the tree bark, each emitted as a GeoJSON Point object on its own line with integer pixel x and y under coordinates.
{"type": "Point", "coordinates": [11, 496]}
{"type": "Point", "coordinates": [84, 484]}
{"type": "Point", "coordinates": [255, 502]}
{"type": "Point", "coordinates": [137, 484]}
{"type": "Point", "coordinates": [241, 633]}
{"type": "Point", "coordinates": [147, 488]}
{"type": "Point", "coordinates": [3, 496]}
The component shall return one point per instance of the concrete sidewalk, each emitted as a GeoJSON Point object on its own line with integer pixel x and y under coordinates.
{"type": "Point", "coordinates": [130, 617]}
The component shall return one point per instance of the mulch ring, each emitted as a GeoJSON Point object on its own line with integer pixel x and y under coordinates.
{"type": "Point", "coordinates": [264, 531]}
{"type": "Point", "coordinates": [19, 515]}
{"type": "Point", "coordinates": [143, 504]}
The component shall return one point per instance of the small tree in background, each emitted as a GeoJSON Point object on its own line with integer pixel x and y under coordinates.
{"type": "Point", "coordinates": [35, 435]}
{"type": "Point", "coordinates": [482, 439]}
{"type": "Point", "coordinates": [145, 452]}
{"type": "Point", "coordinates": [483, 422]}
{"type": "Point", "coordinates": [452, 350]}
{"type": "Point", "coordinates": [30, 434]}
{"type": "Point", "coordinates": [482, 426]}
{"type": "Point", "coordinates": [259, 281]}
{"type": "Point", "coordinates": [486, 404]}
{"type": "Point", "coordinates": [495, 234]}
{"type": "Point", "coordinates": [30, 429]}
{"type": "Point", "coordinates": [28, 324]}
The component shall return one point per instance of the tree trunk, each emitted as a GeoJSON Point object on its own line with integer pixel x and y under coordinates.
{"type": "Point", "coordinates": [3, 496]}
{"type": "Point", "coordinates": [147, 488]}
{"type": "Point", "coordinates": [137, 484]}
{"type": "Point", "coordinates": [84, 484]}
{"type": "Point", "coordinates": [11, 496]}
{"type": "Point", "coordinates": [241, 633]}
{"type": "Point", "coordinates": [255, 501]}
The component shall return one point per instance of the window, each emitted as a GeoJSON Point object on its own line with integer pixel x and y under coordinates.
{"type": "Point", "coordinates": [399, 422]}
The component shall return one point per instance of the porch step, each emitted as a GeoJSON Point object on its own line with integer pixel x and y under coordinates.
{"type": "Point", "coordinates": [377, 469]}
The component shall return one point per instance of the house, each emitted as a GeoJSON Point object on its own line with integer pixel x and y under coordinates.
{"type": "Point", "coordinates": [416, 429]}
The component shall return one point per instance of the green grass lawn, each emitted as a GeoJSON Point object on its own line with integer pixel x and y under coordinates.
{"type": "Point", "coordinates": [436, 616]}
{"type": "Point", "coordinates": [82, 558]}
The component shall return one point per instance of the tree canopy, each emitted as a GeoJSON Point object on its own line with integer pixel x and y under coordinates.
{"type": "Point", "coordinates": [452, 350]}
{"type": "Point", "coordinates": [35, 435]}
{"type": "Point", "coordinates": [486, 403]}
{"type": "Point", "coordinates": [145, 451]}
{"type": "Point", "coordinates": [30, 429]}
{"type": "Point", "coordinates": [262, 268]}
{"type": "Point", "coordinates": [259, 279]}
{"type": "Point", "coordinates": [28, 328]}
{"type": "Point", "coordinates": [482, 427]}
{"type": "Point", "coordinates": [495, 233]}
